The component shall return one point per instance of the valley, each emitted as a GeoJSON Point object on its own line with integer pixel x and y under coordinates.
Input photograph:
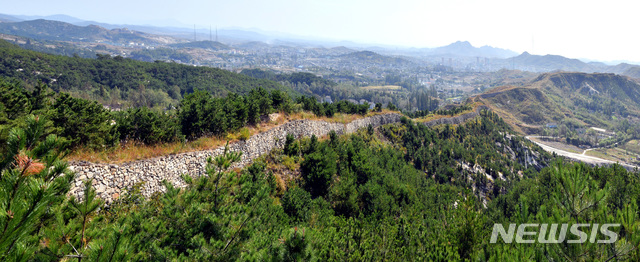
{"type": "Point", "coordinates": [127, 142]}
{"type": "Point", "coordinates": [588, 111]}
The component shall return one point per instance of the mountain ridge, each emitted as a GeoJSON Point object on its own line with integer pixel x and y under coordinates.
{"type": "Point", "coordinates": [549, 63]}
{"type": "Point", "coordinates": [464, 48]}
{"type": "Point", "coordinates": [87, 31]}
{"type": "Point", "coordinates": [595, 99]}
{"type": "Point", "coordinates": [62, 31]}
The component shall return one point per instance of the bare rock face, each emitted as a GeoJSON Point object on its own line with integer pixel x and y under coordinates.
{"type": "Point", "coordinates": [111, 180]}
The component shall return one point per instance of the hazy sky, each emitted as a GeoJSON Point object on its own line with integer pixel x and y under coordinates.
{"type": "Point", "coordinates": [599, 30]}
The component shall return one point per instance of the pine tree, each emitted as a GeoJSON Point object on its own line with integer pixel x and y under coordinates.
{"type": "Point", "coordinates": [32, 178]}
{"type": "Point", "coordinates": [86, 208]}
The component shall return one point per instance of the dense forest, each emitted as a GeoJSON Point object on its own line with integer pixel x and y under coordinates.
{"type": "Point", "coordinates": [412, 96]}
{"type": "Point", "coordinates": [124, 82]}
{"type": "Point", "coordinates": [117, 80]}
{"type": "Point", "coordinates": [160, 54]}
{"type": "Point", "coordinates": [54, 47]}
{"type": "Point", "coordinates": [85, 123]}
{"type": "Point", "coordinates": [386, 194]}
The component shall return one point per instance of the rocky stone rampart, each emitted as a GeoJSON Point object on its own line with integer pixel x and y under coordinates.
{"type": "Point", "coordinates": [110, 180]}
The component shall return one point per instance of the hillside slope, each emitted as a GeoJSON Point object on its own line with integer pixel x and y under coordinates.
{"type": "Point", "coordinates": [61, 31]}
{"type": "Point", "coordinates": [587, 99]}
{"type": "Point", "coordinates": [115, 80]}
{"type": "Point", "coordinates": [539, 63]}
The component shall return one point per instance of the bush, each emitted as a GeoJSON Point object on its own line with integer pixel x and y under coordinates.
{"type": "Point", "coordinates": [84, 122]}
{"type": "Point", "coordinates": [289, 162]}
{"type": "Point", "coordinates": [291, 146]}
{"type": "Point", "coordinates": [244, 133]}
{"type": "Point", "coordinates": [318, 169]}
{"type": "Point", "coordinates": [202, 114]}
{"type": "Point", "coordinates": [329, 109]}
{"type": "Point", "coordinates": [147, 126]}
{"type": "Point", "coordinates": [296, 202]}
{"type": "Point", "coordinates": [391, 106]}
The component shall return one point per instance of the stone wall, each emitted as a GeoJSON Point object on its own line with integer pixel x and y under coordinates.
{"type": "Point", "coordinates": [110, 180]}
{"type": "Point", "coordinates": [456, 120]}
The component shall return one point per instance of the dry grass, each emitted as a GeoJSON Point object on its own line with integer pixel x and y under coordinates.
{"type": "Point", "coordinates": [616, 154]}
{"type": "Point", "coordinates": [133, 151]}
{"type": "Point", "coordinates": [136, 151]}
{"type": "Point", "coordinates": [337, 118]}
{"type": "Point", "coordinates": [602, 153]}
{"type": "Point", "coordinates": [474, 107]}
{"type": "Point", "coordinates": [633, 146]}
{"type": "Point", "coordinates": [432, 117]}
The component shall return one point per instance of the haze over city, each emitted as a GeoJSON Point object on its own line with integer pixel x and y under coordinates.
{"type": "Point", "coordinates": [576, 29]}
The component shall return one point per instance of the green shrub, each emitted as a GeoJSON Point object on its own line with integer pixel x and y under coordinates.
{"type": "Point", "coordinates": [318, 169]}
{"type": "Point", "coordinates": [291, 146]}
{"type": "Point", "coordinates": [289, 162]}
{"type": "Point", "coordinates": [244, 133]}
{"type": "Point", "coordinates": [147, 126]}
{"type": "Point", "coordinates": [296, 202]}
{"type": "Point", "coordinates": [84, 122]}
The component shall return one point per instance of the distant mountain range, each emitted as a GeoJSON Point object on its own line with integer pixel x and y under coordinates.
{"type": "Point", "coordinates": [23, 26]}
{"type": "Point", "coordinates": [61, 31]}
{"type": "Point", "coordinates": [536, 63]}
{"type": "Point", "coordinates": [67, 28]}
{"type": "Point", "coordinates": [464, 48]}
{"type": "Point", "coordinates": [59, 17]}
{"type": "Point", "coordinates": [548, 63]}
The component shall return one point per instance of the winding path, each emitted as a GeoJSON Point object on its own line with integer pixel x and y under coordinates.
{"type": "Point", "coordinates": [575, 156]}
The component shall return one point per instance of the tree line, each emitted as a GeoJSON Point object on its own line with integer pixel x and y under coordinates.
{"type": "Point", "coordinates": [122, 81]}
{"type": "Point", "coordinates": [413, 96]}
{"type": "Point", "coordinates": [88, 123]}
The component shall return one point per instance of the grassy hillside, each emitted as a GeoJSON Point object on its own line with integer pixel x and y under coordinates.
{"type": "Point", "coordinates": [118, 80]}
{"type": "Point", "coordinates": [633, 72]}
{"type": "Point", "coordinates": [581, 98]}
{"type": "Point", "coordinates": [598, 85]}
